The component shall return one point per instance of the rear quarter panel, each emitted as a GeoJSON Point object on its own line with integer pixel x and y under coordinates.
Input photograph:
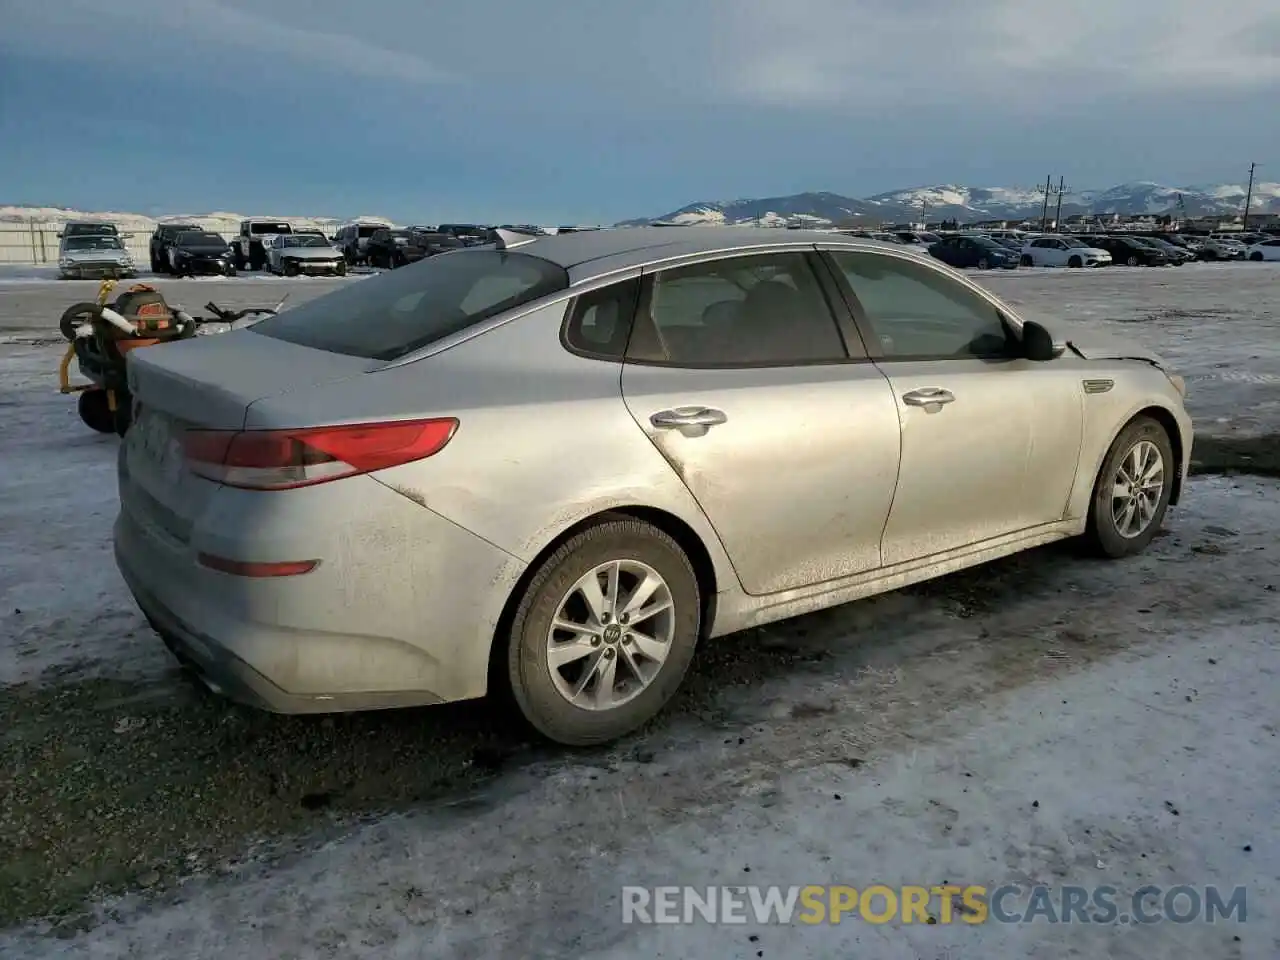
{"type": "Point", "coordinates": [544, 442]}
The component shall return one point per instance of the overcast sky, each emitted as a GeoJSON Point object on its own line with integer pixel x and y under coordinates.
{"type": "Point", "coordinates": [592, 111]}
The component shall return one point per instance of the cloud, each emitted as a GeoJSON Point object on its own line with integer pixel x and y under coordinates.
{"type": "Point", "coordinates": [173, 29]}
{"type": "Point", "coordinates": [838, 54]}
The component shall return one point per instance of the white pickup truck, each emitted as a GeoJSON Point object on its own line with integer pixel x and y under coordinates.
{"type": "Point", "coordinates": [248, 249]}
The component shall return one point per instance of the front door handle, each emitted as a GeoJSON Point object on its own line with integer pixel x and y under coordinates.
{"type": "Point", "coordinates": [931, 398]}
{"type": "Point", "coordinates": [688, 417]}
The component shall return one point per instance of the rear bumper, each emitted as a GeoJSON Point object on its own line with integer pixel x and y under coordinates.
{"type": "Point", "coordinates": [371, 627]}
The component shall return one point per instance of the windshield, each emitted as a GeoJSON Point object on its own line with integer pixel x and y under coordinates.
{"type": "Point", "coordinates": [1074, 244]}
{"type": "Point", "coordinates": [258, 228]}
{"type": "Point", "coordinates": [93, 243]}
{"type": "Point", "coordinates": [307, 240]}
{"type": "Point", "coordinates": [201, 238]}
{"type": "Point", "coordinates": [369, 229]}
{"type": "Point", "coordinates": [395, 313]}
{"type": "Point", "coordinates": [90, 230]}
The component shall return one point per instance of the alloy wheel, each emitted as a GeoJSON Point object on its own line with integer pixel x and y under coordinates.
{"type": "Point", "coordinates": [1137, 489]}
{"type": "Point", "coordinates": [611, 634]}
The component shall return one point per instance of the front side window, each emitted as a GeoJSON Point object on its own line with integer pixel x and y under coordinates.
{"type": "Point", "coordinates": [395, 313]}
{"type": "Point", "coordinates": [916, 312]}
{"type": "Point", "coordinates": [767, 309]}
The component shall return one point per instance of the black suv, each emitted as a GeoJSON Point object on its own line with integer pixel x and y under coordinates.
{"type": "Point", "coordinates": [163, 238]}
{"type": "Point", "coordinates": [389, 248]}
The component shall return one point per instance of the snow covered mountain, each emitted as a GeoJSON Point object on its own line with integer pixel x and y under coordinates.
{"type": "Point", "coordinates": [953, 201]}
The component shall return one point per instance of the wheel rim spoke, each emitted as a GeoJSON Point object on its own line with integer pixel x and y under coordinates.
{"type": "Point", "coordinates": [570, 651]}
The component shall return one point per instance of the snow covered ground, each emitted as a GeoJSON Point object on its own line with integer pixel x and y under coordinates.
{"type": "Point", "coordinates": [1043, 719]}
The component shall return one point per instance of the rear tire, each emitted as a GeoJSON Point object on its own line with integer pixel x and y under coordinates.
{"type": "Point", "coordinates": [538, 693]}
{"type": "Point", "coordinates": [237, 259]}
{"type": "Point", "coordinates": [1026, 261]}
{"type": "Point", "coordinates": [1106, 534]}
{"type": "Point", "coordinates": [95, 411]}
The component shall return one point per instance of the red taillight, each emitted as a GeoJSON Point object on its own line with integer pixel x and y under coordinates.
{"type": "Point", "coordinates": [246, 568]}
{"type": "Point", "coordinates": [285, 459]}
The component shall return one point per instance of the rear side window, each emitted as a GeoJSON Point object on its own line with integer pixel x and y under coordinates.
{"type": "Point", "coordinates": [762, 309]}
{"type": "Point", "coordinates": [395, 313]}
{"type": "Point", "coordinates": [600, 321]}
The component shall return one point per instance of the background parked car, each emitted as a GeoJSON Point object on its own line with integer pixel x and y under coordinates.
{"type": "Point", "coordinates": [1218, 247]}
{"type": "Point", "coordinates": [249, 249]}
{"type": "Point", "coordinates": [389, 248]}
{"type": "Point", "coordinates": [308, 253]}
{"type": "Point", "coordinates": [200, 252]}
{"type": "Point", "coordinates": [1176, 254]}
{"type": "Point", "coordinates": [162, 239]}
{"type": "Point", "coordinates": [1062, 252]}
{"type": "Point", "coordinates": [94, 256]}
{"type": "Point", "coordinates": [353, 239]}
{"type": "Point", "coordinates": [958, 250]}
{"type": "Point", "coordinates": [1265, 250]}
{"type": "Point", "coordinates": [471, 234]}
{"type": "Point", "coordinates": [1129, 251]}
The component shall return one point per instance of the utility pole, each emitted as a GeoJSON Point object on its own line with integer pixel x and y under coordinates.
{"type": "Point", "coordinates": [924, 213]}
{"type": "Point", "coordinates": [1044, 208]}
{"type": "Point", "coordinates": [1057, 216]}
{"type": "Point", "coordinates": [1248, 198]}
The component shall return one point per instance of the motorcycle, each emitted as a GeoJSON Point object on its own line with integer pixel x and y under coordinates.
{"type": "Point", "coordinates": [101, 336]}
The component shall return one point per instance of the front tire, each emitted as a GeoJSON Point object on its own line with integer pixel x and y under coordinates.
{"type": "Point", "coordinates": [1026, 261]}
{"type": "Point", "coordinates": [984, 263]}
{"type": "Point", "coordinates": [1132, 490]}
{"type": "Point", "coordinates": [1075, 262]}
{"type": "Point", "coordinates": [1256, 256]}
{"type": "Point", "coordinates": [604, 633]}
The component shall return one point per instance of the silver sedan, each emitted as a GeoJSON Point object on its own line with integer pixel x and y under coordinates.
{"type": "Point", "coordinates": [553, 466]}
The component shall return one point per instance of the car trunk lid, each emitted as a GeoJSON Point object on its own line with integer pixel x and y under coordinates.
{"type": "Point", "coordinates": [210, 383]}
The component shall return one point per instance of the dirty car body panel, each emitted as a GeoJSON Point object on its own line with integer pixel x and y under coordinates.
{"type": "Point", "coordinates": [322, 583]}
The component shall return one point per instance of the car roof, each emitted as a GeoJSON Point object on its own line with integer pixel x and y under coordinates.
{"type": "Point", "coordinates": [594, 253]}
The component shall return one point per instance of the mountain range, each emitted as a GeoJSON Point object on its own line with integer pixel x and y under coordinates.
{"type": "Point", "coordinates": [953, 201]}
{"type": "Point", "coordinates": [942, 202]}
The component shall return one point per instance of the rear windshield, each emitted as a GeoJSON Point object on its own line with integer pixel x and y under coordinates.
{"type": "Point", "coordinates": [368, 230]}
{"type": "Point", "coordinates": [395, 313]}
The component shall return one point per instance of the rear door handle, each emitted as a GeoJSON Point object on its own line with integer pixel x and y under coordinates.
{"type": "Point", "coordinates": [928, 397]}
{"type": "Point", "coordinates": [688, 417]}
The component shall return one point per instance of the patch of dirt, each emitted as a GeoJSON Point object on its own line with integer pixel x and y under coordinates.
{"type": "Point", "coordinates": [1235, 455]}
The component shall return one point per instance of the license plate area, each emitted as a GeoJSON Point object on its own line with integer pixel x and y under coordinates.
{"type": "Point", "coordinates": [157, 440]}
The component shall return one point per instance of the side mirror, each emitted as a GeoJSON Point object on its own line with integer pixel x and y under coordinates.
{"type": "Point", "coordinates": [1038, 343]}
